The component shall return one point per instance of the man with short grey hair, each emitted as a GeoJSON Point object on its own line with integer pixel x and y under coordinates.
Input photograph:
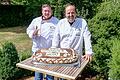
{"type": "Point", "coordinates": [41, 32]}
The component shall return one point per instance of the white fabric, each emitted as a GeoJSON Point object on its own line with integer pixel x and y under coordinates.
{"type": "Point", "coordinates": [45, 33]}
{"type": "Point", "coordinates": [72, 36]}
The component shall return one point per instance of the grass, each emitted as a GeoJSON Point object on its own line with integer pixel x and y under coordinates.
{"type": "Point", "coordinates": [18, 36]}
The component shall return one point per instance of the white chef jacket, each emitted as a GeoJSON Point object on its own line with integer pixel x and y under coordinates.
{"type": "Point", "coordinates": [46, 30]}
{"type": "Point", "coordinates": [72, 36]}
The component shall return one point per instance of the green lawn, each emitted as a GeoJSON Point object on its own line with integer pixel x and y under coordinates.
{"type": "Point", "coordinates": [18, 36]}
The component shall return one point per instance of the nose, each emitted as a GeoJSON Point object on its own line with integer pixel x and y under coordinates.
{"type": "Point", "coordinates": [71, 14]}
{"type": "Point", "coordinates": [47, 12]}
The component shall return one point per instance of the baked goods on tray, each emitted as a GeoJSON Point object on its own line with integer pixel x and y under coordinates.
{"type": "Point", "coordinates": [55, 56]}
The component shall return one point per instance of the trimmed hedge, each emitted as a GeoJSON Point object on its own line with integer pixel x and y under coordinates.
{"type": "Point", "coordinates": [8, 58]}
{"type": "Point", "coordinates": [12, 15]}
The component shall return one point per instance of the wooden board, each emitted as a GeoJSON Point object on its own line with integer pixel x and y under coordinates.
{"type": "Point", "coordinates": [65, 72]}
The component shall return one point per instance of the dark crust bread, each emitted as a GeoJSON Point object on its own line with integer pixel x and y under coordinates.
{"type": "Point", "coordinates": [55, 56]}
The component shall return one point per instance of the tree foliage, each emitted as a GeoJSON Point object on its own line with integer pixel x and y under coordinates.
{"type": "Point", "coordinates": [104, 26]}
{"type": "Point", "coordinates": [114, 64]}
{"type": "Point", "coordinates": [85, 8]}
{"type": "Point", "coordinates": [14, 17]}
{"type": "Point", "coordinates": [8, 58]}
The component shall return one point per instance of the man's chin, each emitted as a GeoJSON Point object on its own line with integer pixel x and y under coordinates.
{"type": "Point", "coordinates": [71, 21]}
{"type": "Point", "coordinates": [46, 18]}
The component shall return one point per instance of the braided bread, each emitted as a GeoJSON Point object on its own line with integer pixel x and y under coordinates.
{"type": "Point", "coordinates": [55, 56]}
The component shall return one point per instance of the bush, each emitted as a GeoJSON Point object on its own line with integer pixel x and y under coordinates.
{"type": "Point", "coordinates": [104, 27]}
{"type": "Point", "coordinates": [114, 64]}
{"type": "Point", "coordinates": [25, 55]}
{"type": "Point", "coordinates": [8, 58]}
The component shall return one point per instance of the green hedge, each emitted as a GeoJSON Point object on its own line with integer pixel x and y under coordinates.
{"type": "Point", "coordinates": [114, 64]}
{"type": "Point", "coordinates": [104, 27]}
{"type": "Point", "coordinates": [12, 15]}
{"type": "Point", "coordinates": [17, 15]}
{"type": "Point", "coordinates": [8, 60]}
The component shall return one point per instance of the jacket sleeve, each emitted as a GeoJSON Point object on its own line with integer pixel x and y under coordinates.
{"type": "Point", "coordinates": [87, 41]}
{"type": "Point", "coordinates": [31, 29]}
{"type": "Point", "coordinates": [56, 37]}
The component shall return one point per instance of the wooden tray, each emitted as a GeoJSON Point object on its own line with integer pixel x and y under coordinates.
{"type": "Point", "coordinates": [65, 72]}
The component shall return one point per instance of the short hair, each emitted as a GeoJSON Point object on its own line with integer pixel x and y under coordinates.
{"type": "Point", "coordinates": [70, 4]}
{"type": "Point", "coordinates": [46, 5]}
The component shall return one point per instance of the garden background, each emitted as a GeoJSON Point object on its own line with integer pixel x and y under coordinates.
{"type": "Point", "coordinates": [103, 17]}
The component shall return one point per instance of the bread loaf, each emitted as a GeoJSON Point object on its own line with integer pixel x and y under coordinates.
{"type": "Point", "coordinates": [55, 56]}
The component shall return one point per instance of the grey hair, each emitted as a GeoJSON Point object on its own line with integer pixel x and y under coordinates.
{"type": "Point", "coordinates": [46, 5]}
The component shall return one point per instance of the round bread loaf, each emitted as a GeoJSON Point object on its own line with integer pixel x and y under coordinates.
{"type": "Point", "coordinates": [55, 56]}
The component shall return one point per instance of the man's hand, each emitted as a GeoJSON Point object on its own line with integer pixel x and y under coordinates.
{"type": "Point", "coordinates": [88, 57]}
{"type": "Point", "coordinates": [35, 32]}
